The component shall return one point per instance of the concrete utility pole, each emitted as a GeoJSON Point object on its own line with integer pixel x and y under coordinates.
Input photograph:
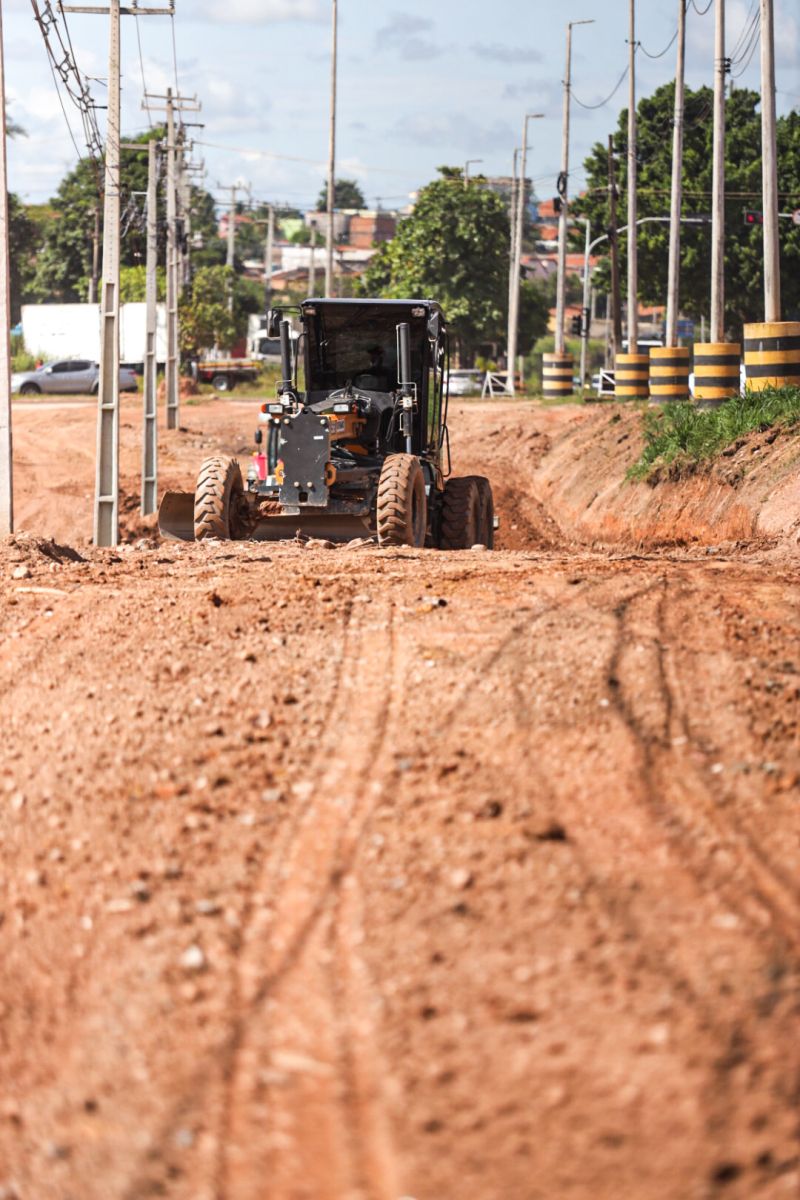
{"type": "Point", "coordinates": [6, 447]}
{"type": "Point", "coordinates": [718, 181]}
{"type": "Point", "coordinates": [332, 157]}
{"type": "Point", "coordinates": [769, 167]}
{"type": "Point", "coordinates": [269, 250]}
{"type": "Point", "coordinates": [106, 511]}
{"type": "Point", "coordinates": [312, 261]}
{"type": "Point", "coordinates": [633, 272]}
{"type": "Point", "coordinates": [512, 212]}
{"type": "Point", "coordinates": [563, 191]}
{"type": "Point", "coordinates": [676, 195]}
{"type": "Point", "coordinates": [516, 264]}
{"type": "Point", "coordinates": [172, 104]}
{"type": "Point", "coordinates": [616, 288]}
{"type": "Point", "coordinates": [231, 259]}
{"type": "Point", "coordinates": [150, 432]}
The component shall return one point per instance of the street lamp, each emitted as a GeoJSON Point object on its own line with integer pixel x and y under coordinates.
{"type": "Point", "coordinates": [467, 165]}
{"type": "Point", "coordinates": [563, 182]}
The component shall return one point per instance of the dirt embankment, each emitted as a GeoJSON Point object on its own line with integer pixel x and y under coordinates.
{"type": "Point", "coordinates": [566, 471]}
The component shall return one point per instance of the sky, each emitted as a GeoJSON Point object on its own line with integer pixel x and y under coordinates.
{"type": "Point", "coordinates": [420, 85]}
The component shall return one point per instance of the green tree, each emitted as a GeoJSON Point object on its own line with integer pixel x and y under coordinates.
{"type": "Point", "coordinates": [743, 245]}
{"type": "Point", "coordinates": [453, 248]}
{"type": "Point", "coordinates": [346, 194]}
{"type": "Point", "coordinates": [206, 320]}
{"type": "Point", "coordinates": [23, 243]}
{"type": "Point", "coordinates": [133, 284]}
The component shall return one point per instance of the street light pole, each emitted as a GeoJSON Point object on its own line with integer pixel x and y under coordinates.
{"type": "Point", "coordinates": [633, 279]}
{"type": "Point", "coordinates": [718, 181]}
{"type": "Point", "coordinates": [467, 166]}
{"type": "Point", "coordinates": [673, 267]}
{"type": "Point", "coordinates": [332, 155]}
{"type": "Point", "coordinates": [563, 191]}
{"type": "Point", "coordinates": [516, 265]}
{"type": "Point", "coordinates": [769, 167]}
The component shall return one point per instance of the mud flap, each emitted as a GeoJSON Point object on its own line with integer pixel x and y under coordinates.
{"type": "Point", "coordinates": [176, 516]}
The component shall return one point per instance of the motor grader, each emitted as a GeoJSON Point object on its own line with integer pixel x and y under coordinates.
{"type": "Point", "coordinates": [362, 449]}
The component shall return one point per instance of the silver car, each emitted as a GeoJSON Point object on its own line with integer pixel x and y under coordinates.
{"type": "Point", "coordinates": [66, 376]}
{"type": "Point", "coordinates": [466, 382]}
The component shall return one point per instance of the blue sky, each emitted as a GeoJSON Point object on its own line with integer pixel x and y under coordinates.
{"type": "Point", "coordinates": [419, 84]}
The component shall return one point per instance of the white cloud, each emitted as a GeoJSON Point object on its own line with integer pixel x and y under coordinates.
{"type": "Point", "coordinates": [256, 12]}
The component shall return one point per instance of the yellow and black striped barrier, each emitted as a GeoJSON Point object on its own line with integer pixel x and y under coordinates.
{"type": "Point", "coordinates": [772, 354]}
{"type": "Point", "coordinates": [630, 376]}
{"type": "Point", "coordinates": [716, 372]}
{"type": "Point", "coordinates": [556, 376]}
{"type": "Point", "coordinates": [669, 373]}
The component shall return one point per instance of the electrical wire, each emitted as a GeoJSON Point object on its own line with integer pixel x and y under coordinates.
{"type": "Point", "coordinates": [609, 97]}
{"type": "Point", "coordinates": [141, 60]}
{"type": "Point", "coordinates": [64, 68]}
{"type": "Point", "coordinates": [661, 53]}
{"type": "Point", "coordinates": [701, 11]}
{"type": "Point", "coordinates": [747, 54]}
{"type": "Point", "coordinates": [174, 51]}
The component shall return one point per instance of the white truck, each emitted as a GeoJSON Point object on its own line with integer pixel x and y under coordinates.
{"type": "Point", "coordinates": [73, 331]}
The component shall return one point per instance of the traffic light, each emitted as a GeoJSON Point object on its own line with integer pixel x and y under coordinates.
{"type": "Point", "coordinates": [753, 218]}
{"type": "Point", "coordinates": [576, 326]}
{"type": "Point", "coordinates": [556, 204]}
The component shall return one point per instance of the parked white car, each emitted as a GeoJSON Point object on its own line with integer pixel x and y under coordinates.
{"type": "Point", "coordinates": [465, 382]}
{"type": "Point", "coordinates": [67, 376]}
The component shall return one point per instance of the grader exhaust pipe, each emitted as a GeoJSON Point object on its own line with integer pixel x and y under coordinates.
{"type": "Point", "coordinates": [407, 389]}
{"type": "Point", "coordinates": [287, 370]}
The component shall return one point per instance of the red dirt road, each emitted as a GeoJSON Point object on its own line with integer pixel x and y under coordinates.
{"type": "Point", "coordinates": [376, 874]}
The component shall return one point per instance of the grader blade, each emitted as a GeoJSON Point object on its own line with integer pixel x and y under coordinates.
{"type": "Point", "coordinates": [176, 516]}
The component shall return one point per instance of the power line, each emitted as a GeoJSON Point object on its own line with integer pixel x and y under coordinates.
{"type": "Point", "coordinates": [661, 53]}
{"type": "Point", "coordinates": [141, 61]}
{"type": "Point", "coordinates": [174, 52]}
{"type": "Point", "coordinates": [64, 67]}
{"type": "Point", "coordinates": [610, 95]}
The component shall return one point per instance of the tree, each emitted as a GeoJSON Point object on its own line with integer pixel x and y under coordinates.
{"type": "Point", "coordinates": [206, 321]}
{"type": "Point", "coordinates": [22, 243]}
{"type": "Point", "coordinates": [133, 284]}
{"type": "Point", "coordinates": [454, 249]}
{"type": "Point", "coordinates": [346, 194]}
{"type": "Point", "coordinates": [743, 245]}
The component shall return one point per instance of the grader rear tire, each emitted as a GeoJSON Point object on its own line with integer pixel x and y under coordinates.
{"type": "Point", "coordinates": [402, 510]}
{"type": "Point", "coordinates": [486, 523]}
{"type": "Point", "coordinates": [461, 514]}
{"type": "Point", "coordinates": [219, 501]}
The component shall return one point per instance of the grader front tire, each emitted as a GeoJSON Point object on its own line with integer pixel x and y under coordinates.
{"type": "Point", "coordinates": [219, 500]}
{"type": "Point", "coordinates": [402, 505]}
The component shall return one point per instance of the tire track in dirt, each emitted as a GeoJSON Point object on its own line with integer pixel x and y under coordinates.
{"type": "Point", "coordinates": [308, 1091]}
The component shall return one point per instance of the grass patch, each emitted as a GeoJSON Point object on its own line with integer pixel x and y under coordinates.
{"type": "Point", "coordinates": [679, 437]}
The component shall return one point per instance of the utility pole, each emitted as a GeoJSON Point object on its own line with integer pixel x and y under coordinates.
{"type": "Point", "coordinates": [718, 181]}
{"type": "Point", "coordinates": [231, 259]}
{"type": "Point", "coordinates": [613, 239]}
{"type": "Point", "coordinates": [106, 512]}
{"type": "Point", "coordinates": [674, 262]}
{"type": "Point", "coordinates": [512, 212]}
{"type": "Point", "coordinates": [563, 191]}
{"type": "Point", "coordinates": [6, 447]}
{"type": "Point", "coordinates": [106, 505]}
{"type": "Point", "coordinates": [513, 316]}
{"type": "Point", "coordinates": [633, 275]}
{"type": "Point", "coordinates": [769, 167]}
{"type": "Point", "coordinates": [172, 104]}
{"type": "Point", "coordinates": [312, 262]}
{"type": "Point", "coordinates": [332, 156]}
{"type": "Point", "coordinates": [150, 432]}
{"type": "Point", "coordinates": [268, 253]}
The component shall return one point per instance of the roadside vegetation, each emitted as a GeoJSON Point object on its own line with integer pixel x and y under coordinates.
{"type": "Point", "coordinates": [679, 437]}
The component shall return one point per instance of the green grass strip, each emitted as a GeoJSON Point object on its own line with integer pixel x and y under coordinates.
{"type": "Point", "coordinates": [678, 437]}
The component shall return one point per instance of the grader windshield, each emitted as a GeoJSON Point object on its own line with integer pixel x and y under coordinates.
{"type": "Point", "coordinates": [356, 343]}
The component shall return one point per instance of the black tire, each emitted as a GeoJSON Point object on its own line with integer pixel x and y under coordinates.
{"type": "Point", "coordinates": [402, 509]}
{"type": "Point", "coordinates": [219, 501]}
{"type": "Point", "coordinates": [486, 523]}
{"type": "Point", "coordinates": [222, 383]}
{"type": "Point", "coordinates": [30, 389]}
{"type": "Point", "coordinates": [461, 514]}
